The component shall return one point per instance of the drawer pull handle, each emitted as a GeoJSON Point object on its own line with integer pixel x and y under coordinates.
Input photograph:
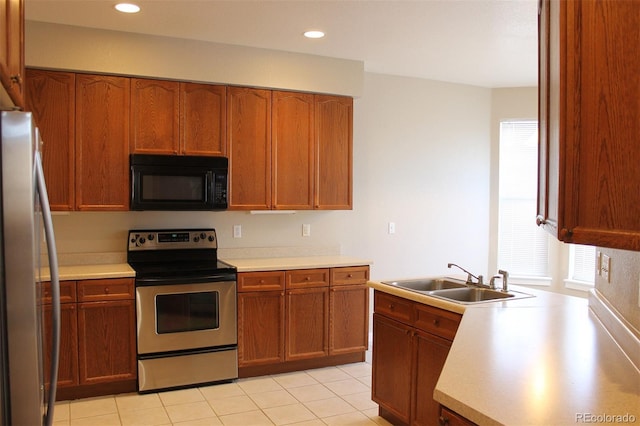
{"type": "Point", "coordinates": [261, 281]}
{"type": "Point", "coordinates": [391, 307]}
{"type": "Point", "coordinates": [436, 322]}
{"type": "Point", "coordinates": [350, 276]}
{"type": "Point", "coordinates": [307, 278]}
{"type": "Point", "coordinates": [106, 290]}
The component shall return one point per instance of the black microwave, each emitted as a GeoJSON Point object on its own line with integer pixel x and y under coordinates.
{"type": "Point", "coordinates": [178, 182]}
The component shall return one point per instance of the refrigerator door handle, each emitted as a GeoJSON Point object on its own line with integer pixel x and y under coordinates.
{"type": "Point", "coordinates": [55, 287]}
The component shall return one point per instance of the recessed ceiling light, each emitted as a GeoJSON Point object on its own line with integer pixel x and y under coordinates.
{"type": "Point", "coordinates": [127, 7]}
{"type": "Point", "coordinates": [314, 34]}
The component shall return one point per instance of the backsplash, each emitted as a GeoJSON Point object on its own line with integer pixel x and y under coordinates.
{"type": "Point", "coordinates": [623, 291]}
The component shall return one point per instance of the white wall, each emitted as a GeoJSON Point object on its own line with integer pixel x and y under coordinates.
{"type": "Point", "coordinates": [421, 159]}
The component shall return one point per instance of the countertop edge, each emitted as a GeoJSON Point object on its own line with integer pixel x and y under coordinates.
{"type": "Point", "coordinates": [288, 263]}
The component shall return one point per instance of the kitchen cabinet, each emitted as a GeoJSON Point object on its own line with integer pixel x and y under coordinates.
{"type": "Point", "coordinates": [12, 53]}
{"type": "Point", "coordinates": [98, 343]}
{"type": "Point", "coordinates": [68, 360]}
{"type": "Point", "coordinates": [307, 319]}
{"type": "Point", "coordinates": [451, 418]}
{"type": "Point", "coordinates": [334, 152]}
{"type": "Point", "coordinates": [261, 318]}
{"type": "Point", "coordinates": [349, 308]}
{"type": "Point", "coordinates": [289, 150]}
{"type": "Point", "coordinates": [249, 135]}
{"type": "Point", "coordinates": [102, 142]}
{"type": "Point", "coordinates": [56, 122]}
{"type": "Point", "coordinates": [106, 331]}
{"type": "Point", "coordinates": [293, 150]}
{"type": "Point", "coordinates": [410, 344]}
{"type": "Point", "coordinates": [588, 122]}
{"type": "Point", "coordinates": [172, 117]}
{"type": "Point", "coordinates": [155, 113]}
{"type": "Point", "coordinates": [297, 319]}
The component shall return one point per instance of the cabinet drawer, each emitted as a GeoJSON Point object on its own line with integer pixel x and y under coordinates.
{"type": "Point", "coordinates": [67, 292]}
{"type": "Point", "coordinates": [261, 281]}
{"type": "Point", "coordinates": [350, 275]}
{"type": "Point", "coordinates": [394, 307]}
{"type": "Point", "coordinates": [108, 289]}
{"type": "Point", "coordinates": [437, 321]}
{"type": "Point", "coordinates": [305, 278]}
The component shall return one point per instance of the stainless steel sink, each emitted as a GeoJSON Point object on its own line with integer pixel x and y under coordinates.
{"type": "Point", "coordinates": [470, 295]}
{"type": "Point", "coordinates": [428, 284]}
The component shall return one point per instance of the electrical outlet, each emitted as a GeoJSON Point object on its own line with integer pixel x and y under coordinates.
{"type": "Point", "coordinates": [306, 229]}
{"type": "Point", "coordinates": [392, 227]}
{"type": "Point", "coordinates": [237, 231]}
{"type": "Point", "coordinates": [605, 267]}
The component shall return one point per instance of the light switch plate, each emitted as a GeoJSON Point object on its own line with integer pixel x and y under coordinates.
{"type": "Point", "coordinates": [605, 267]}
{"type": "Point", "coordinates": [306, 229]}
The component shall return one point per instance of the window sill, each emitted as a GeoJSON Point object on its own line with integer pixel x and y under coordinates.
{"type": "Point", "coordinates": [531, 281]}
{"type": "Point", "coordinates": [578, 285]}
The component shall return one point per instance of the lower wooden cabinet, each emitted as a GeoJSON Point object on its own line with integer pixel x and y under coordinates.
{"type": "Point", "coordinates": [450, 418]}
{"type": "Point", "coordinates": [411, 342]}
{"type": "Point", "coordinates": [297, 319]}
{"type": "Point", "coordinates": [98, 342]}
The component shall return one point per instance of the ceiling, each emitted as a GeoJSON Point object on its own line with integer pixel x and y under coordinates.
{"type": "Point", "coordinates": [488, 43]}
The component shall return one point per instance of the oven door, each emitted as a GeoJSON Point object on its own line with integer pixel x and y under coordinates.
{"type": "Point", "coordinates": [188, 316]}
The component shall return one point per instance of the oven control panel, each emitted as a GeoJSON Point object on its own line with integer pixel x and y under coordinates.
{"type": "Point", "coordinates": [172, 239]}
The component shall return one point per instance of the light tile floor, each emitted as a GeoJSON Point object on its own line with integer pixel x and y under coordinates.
{"type": "Point", "coordinates": [326, 396]}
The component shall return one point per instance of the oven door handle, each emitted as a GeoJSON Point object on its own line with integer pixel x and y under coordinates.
{"type": "Point", "coordinates": [185, 280]}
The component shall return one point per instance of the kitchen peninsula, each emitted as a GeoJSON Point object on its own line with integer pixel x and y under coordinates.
{"type": "Point", "coordinates": [534, 361]}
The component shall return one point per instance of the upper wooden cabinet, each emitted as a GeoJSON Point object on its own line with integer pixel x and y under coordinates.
{"type": "Point", "coordinates": [588, 116]}
{"type": "Point", "coordinates": [155, 112]}
{"type": "Point", "coordinates": [249, 134]}
{"type": "Point", "coordinates": [12, 52]}
{"type": "Point", "coordinates": [334, 152]}
{"type": "Point", "coordinates": [171, 117]}
{"type": "Point", "coordinates": [56, 121]}
{"type": "Point", "coordinates": [293, 150]}
{"type": "Point", "coordinates": [102, 142]}
{"type": "Point", "coordinates": [289, 150]}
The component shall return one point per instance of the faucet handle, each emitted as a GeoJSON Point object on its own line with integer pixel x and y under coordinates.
{"type": "Point", "coordinates": [492, 281]}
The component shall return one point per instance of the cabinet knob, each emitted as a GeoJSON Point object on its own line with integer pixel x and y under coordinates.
{"type": "Point", "coordinates": [391, 307]}
{"type": "Point", "coordinates": [106, 290]}
{"type": "Point", "coordinates": [443, 421]}
{"type": "Point", "coordinates": [16, 79]}
{"type": "Point", "coordinates": [350, 276]}
{"type": "Point", "coordinates": [436, 322]}
{"type": "Point", "coordinates": [261, 281]}
{"type": "Point", "coordinates": [307, 278]}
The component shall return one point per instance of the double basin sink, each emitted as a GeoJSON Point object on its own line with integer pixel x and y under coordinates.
{"type": "Point", "coordinates": [456, 291]}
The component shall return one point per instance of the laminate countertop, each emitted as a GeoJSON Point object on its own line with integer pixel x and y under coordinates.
{"type": "Point", "coordinates": [90, 272]}
{"type": "Point", "coordinates": [287, 263]}
{"type": "Point", "coordinates": [546, 360]}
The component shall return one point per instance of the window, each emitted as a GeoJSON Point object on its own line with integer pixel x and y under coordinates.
{"type": "Point", "coordinates": [523, 247]}
{"type": "Point", "coordinates": [582, 266]}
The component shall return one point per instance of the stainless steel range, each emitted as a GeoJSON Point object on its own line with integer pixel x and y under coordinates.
{"type": "Point", "coordinates": [185, 309]}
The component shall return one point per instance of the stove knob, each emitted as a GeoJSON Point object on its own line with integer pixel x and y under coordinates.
{"type": "Point", "coordinates": [196, 239]}
{"type": "Point", "coordinates": [211, 238]}
{"type": "Point", "coordinates": [150, 237]}
{"type": "Point", "coordinates": [133, 240]}
{"type": "Point", "coordinates": [203, 235]}
{"type": "Point", "coordinates": [142, 240]}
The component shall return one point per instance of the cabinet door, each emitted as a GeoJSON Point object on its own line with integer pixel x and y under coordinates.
{"type": "Point", "coordinates": [392, 366]}
{"type": "Point", "coordinates": [591, 49]}
{"type": "Point", "coordinates": [155, 116]}
{"type": "Point", "coordinates": [307, 323]}
{"type": "Point", "coordinates": [293, 150]}
{"type": "Point", "coordinates": [260, 328]}
{"type": "Point", "coordinates": [349, 319]}
{"type": "Point", "coordinates": [68, 361]}
{"type": "Point", "coordinates": [102, 142]}
{"type": "Point", "coordinates": [334, 152]}
{"type": "Point", "coordinates": [12, 52]}
{"type": "Point", "coordinates": [107, 340]}
{"type": "Point", "coordinates": [203, 115]}
{"type": "Point", "coordinates": [50, 96]}
{"type": "Point", "coordinates": [249, 136]}
{"type": "Point", "coordinates": [431, 353]}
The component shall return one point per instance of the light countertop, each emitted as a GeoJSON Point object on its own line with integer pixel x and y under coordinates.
{"type": "Point", "coordinates": [89, 272]}
{"type": "Point", "coordinates": [282, 263]}
{"type": "Point", "coordinates": [546, 360]}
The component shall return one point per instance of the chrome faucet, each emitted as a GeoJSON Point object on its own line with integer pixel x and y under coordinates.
{"type": "Point", "coordinates": [505, 278]}
{"type": "Point", "coordinates": [469, 275]}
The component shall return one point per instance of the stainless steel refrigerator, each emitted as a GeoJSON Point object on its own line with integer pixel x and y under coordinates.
{"type": "Point", "coordinates": [25, 231]}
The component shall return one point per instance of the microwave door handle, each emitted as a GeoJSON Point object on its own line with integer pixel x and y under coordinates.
{"type": "Point", "coordinates": [55, 288]}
